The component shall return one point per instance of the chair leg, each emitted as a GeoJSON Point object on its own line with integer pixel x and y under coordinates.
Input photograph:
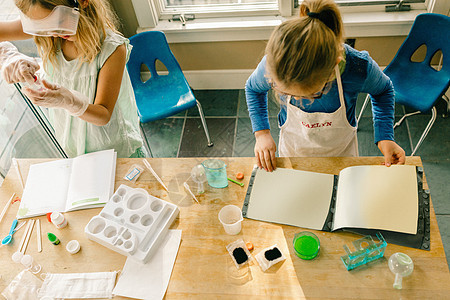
{"type": "Point", "coordinates": [147, 145]}
{"type": "Point", "coordinates": [202, 117]}
{"type": "Point", "coordinates": [427, 129]}
{"type": "Point", "coordinates": [362, 109]}
{"type": "Point", "coordinates": [404, 117]}
{"type": "Point", "coordinates": [445, 115]}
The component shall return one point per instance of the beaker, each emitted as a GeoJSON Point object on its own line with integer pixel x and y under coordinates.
{"type": "Point", "coordinates": [231, 218]}
{"type": "Point", "coordinates": [198, 175]}
{"type": "Point", "coordinates": [401, 265]}
{"type": "Point", "coordinates": [216, 173]}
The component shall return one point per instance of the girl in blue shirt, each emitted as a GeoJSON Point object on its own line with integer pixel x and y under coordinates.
{"type": "Point", "coordinates": [318, 79]}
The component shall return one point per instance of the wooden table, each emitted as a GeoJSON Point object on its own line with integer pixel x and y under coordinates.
{"type": "Point", "coordinates": [203, 268]}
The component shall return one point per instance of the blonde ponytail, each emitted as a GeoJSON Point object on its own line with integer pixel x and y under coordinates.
{"type": "Point", "coordinates": [304, 50]}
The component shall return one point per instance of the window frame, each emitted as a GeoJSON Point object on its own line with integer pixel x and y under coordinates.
{"type": "Point", "coordinates": [220, 10]}
{"type": "Point", "coordinates": [150, 12]}
{"type": "Point", "coordinates": [359, 21]}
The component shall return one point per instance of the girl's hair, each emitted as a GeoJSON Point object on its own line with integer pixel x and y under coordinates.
{"type": "Point", "coordinates": [91, 32]}
{"type": "Point", "coordinates": [304, 50]}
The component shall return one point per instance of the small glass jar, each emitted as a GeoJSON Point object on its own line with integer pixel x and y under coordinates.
{"type": "Point", "coordinates": [306, 245]}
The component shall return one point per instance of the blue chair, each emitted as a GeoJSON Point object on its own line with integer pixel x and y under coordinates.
{"type": "Point", "coordinates": [160, 96]}
{"type": "Point", "coordinates": [418, 85]}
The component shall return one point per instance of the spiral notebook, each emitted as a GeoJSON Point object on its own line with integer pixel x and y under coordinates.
{"type": "Point", "coordinates": [362, 199]}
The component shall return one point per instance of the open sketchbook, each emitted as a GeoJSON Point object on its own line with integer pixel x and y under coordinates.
{"type": "Point", "coordinates": [359, 198]}
{"type": "Point", "coordinates": [85, 181]}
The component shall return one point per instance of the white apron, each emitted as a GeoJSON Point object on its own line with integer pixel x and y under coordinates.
{"type": "Point", "coordinates": [318, 134]}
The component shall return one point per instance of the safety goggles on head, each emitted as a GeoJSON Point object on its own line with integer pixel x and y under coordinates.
{"type": "Point", "coordinates": [317, 95]}
{"type": "Point", "coordinates": [63, 20]}
{"type": "Point", "coordinates": [325, 89]}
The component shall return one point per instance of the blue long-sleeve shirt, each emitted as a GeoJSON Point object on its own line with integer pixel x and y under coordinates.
{"type": "Point", "coordinates": [361, 75]}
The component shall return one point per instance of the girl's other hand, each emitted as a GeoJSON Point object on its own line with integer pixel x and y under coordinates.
{"type": "Point", "coordinates": [393, 153]}
{"type": "Point", "coordinates": [56, 96]}
{"type": "Point", "coordinates": [15, 66]}
{"type": "Point", "coordinates": [265, 149]}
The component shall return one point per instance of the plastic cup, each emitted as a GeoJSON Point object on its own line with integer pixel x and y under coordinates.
{"type": "Point", "coordinates": [231, 218]}
{"type": "Point", "coordinates": [306, 245]}
{"type": "Point", "coordinates": [216, 173]}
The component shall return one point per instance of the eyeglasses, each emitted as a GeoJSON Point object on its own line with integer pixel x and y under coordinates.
{"type": "Point", "coordinates": [325, 89]}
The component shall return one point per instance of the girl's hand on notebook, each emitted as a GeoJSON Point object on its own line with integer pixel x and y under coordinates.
{"type": "Point", "coordinates": [265, 149]}
{"type": "Point", "coordinates": [393, 153]}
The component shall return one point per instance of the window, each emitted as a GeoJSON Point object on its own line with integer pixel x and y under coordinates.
{"type": "Point", "coordinates": [149, 12]}
{"type": "Point", "coordinates": [361, 17]}
{"type": "Point", "coordinates": [210, 3]}
{"type": "Point", "coordinates": [380, 5]}
{"type": "Point", "coordinates": [205, 8]}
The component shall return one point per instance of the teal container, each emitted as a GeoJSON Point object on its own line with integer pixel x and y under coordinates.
{"type": "Point", "coordinates": [216, 173]}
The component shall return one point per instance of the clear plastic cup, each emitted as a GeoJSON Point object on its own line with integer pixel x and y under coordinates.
{"type": "Point", "coordinates": [216, 173]}
{"type": "Point", "coordinates": [231, 218]}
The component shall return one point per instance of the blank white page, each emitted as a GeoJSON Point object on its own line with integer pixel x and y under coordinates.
{"type": "Point", "coordinates": [291, 197]}
{"type": "Point", "coordinates": [92, 179]}
{"type": "Point", "coordinates": [46, 188]}
{"type": "Point", "coordinates": [377, 197]}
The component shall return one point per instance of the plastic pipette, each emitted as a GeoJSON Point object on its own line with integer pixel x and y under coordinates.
{"type": "Point", "coordinates": [16, 167]}
{"type": "Point", "coordinates": [147, 164]}
{"type": "Point", "coordinates": [186, 186]}
{"type": "Point", "coordinates": [6, 207]}
{"type": "Point", "coordinates": [234, 181]}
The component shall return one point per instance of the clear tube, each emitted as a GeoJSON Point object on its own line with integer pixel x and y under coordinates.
{"type": "Point", "coordinates": [398, 281]}
{"type": "Point", "coordinates": [200, 188]}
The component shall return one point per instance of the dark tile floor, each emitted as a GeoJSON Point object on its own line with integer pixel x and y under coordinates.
{"type": "Point", "coordinates": [230, 129]}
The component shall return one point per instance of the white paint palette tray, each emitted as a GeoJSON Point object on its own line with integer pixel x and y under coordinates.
{"type": "Point", "coordinates": [132, 223]}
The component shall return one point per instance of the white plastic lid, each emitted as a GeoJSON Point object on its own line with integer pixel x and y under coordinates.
{"type": "Point", "coordinates": [57, 218]}
{"type": "Point", "coordinates": [27, 260]}
{"type": "Point", "coordinates": [73, 246]}
{"type": "Point", "coordinates": [17, 256]}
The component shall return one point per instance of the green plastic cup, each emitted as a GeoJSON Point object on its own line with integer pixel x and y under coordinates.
{"type": "Point", "coordinates": [306, 245]}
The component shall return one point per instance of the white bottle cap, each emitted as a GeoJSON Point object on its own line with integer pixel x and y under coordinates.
{"type": "Point", "coordinates": [58, 219]}
{"type": "Point", "coordinates": [27, 261]}
{"type": "Point", "coordinates": [73, 246]}
{"type": "Point", "coordinates": [17, 256]}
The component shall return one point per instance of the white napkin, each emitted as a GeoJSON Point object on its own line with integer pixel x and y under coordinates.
{"type": "Point", "coordinates": [150, 280]}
